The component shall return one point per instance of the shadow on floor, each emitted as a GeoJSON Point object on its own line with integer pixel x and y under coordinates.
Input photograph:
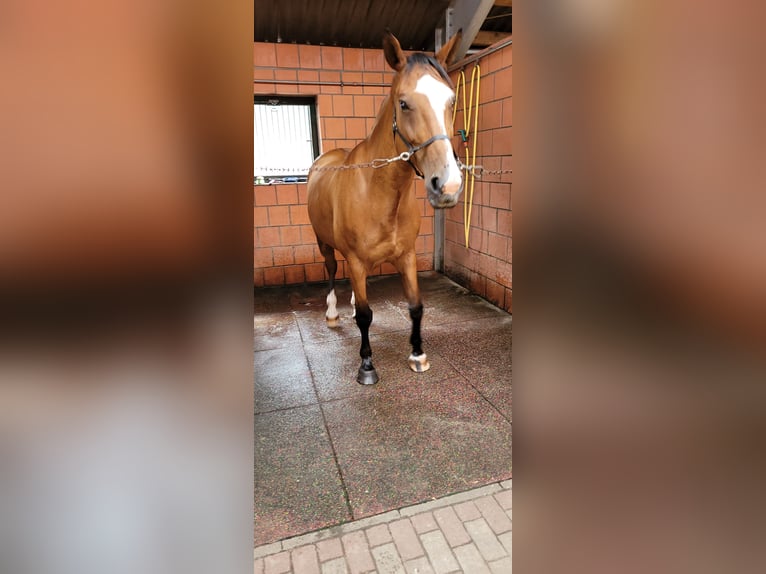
{"type": "Point", "coordinates": [328, 450]}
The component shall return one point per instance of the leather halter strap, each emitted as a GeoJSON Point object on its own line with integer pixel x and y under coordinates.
{"type": "Point", "coordinates": [411, 149]}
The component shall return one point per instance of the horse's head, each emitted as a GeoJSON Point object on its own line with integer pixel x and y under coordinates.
{"type": "Point", "coordinates": [423, 96]}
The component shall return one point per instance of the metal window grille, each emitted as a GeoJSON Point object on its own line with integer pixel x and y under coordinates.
{"type": "Point", "coordinates": [286, 142]}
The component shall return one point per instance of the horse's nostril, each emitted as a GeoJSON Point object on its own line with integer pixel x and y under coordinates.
{"type": "Point", "coordinates": [435, 184]}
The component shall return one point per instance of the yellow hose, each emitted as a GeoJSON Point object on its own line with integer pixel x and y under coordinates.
{"type": "Point", "coordinates": [471, 112]}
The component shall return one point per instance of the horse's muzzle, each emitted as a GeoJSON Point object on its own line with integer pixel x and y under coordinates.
{"type": "Point", "coordinates": [441, 199]}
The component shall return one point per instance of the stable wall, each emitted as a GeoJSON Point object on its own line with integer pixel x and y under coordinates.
{"type": "Point", "coordinates": [485, 266]}
{"type": "Point", "coordinates": [350, 85]}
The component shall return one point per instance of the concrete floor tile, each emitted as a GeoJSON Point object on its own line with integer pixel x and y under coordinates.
{"type": "Point", "coordinates": [282, 379]}
{"type": "Point", "coordinates": [275, 330]}
{"type": "Point", "coordinates": [335, 365]}
{"type": "Point", "coordinates": [297, 485]}
{"type": "Point", "coordinates": [417, 441]}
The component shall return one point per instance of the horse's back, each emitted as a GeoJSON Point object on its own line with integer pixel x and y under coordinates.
{"type": "Point", "coordinates": [320, 193]}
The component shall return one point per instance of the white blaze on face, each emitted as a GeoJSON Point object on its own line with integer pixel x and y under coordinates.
{"type": "Point", "coordinates": [439, 95]}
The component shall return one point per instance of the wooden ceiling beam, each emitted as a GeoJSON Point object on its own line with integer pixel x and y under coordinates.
{"type": "Point", "coordinates": [487, 38]}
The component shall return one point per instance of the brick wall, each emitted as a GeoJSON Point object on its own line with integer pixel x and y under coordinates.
{"type": "Point", "coordinates": [285, 250]}
{"type": "Point", "coordinates": [485, 266]}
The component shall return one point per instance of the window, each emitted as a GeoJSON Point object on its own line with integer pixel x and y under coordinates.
{"type": "Point", "coordinates": [286, 141]}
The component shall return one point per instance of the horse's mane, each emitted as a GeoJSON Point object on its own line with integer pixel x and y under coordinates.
{"type": "Point", "coordinates": [419, 58]}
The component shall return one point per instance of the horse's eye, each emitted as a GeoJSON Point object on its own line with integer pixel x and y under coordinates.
{"type": "Point", "coordinates": [403, 105]}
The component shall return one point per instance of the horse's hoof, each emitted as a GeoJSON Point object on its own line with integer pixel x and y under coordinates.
{"type": "Point", "coordinates": [364, 377]}
{"type": "Point", "coordinates": [332, 322]}
{"type": "Point", "coordinates": [419, 363]}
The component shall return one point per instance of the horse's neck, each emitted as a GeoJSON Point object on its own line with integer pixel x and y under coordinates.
{"type": "Point", "coordinates": [382, 143]}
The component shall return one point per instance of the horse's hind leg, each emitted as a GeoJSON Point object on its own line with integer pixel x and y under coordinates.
{"type": "Point", "coordinates": [407, 267]}
{"type": "Point", "coordinates": [367, 375]}
{"type": "Point", "coordinates": [331, 315]}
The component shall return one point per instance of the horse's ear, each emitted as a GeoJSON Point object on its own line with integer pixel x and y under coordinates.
{"type": "Point", "coordinates": [393, 51]}
{"type": "Point", "coordinates": [448, 51]}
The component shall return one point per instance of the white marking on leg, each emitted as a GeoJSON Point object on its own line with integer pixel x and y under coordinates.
{"type": "Point", "coordinates": [418, 363]}
{"type": "Point", "coordinates": [332, 312]}
{"type": "Point", "coordinates": [353, 304]}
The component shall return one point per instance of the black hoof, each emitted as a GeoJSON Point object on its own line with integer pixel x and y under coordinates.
{"type": "Point", "coordinates": [367, 377]}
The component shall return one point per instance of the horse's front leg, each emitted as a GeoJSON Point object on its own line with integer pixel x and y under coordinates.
{"type": "Point", "coordinates": [367, 375]}
{"type": "Point", "coordinates": [408, 269]}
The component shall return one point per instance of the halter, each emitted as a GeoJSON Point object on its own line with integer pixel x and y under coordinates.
{"type": "Point", "coordinates": [412, 148]}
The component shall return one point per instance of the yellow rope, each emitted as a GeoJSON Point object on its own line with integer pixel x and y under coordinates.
{"type": "Point", "coordinates": [471, 112]}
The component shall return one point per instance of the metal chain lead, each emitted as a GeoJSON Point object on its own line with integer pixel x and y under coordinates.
{"type": "Point", "coordinates": [475, 170]}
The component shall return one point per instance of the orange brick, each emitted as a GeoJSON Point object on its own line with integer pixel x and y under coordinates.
{"type": "Point", "coordinates": [332, 58]}
{"type": "Point", "coordinates": [263, 73]}
{"type": "Point", "coordinates": [478, 284]}
{"type": "Point", "coordinates": [504, 83]}
{"type": "Point", "coordinates": [258, 277]}
{"type": "Point", "coordinates": [302, 193]}
{"type": "Point", "coordinates": [498, 246]}
{"type": "Point", "coordinates": [308, 237]}
{"type": "Point", "coordinates": [268, 237]}
{"type": "Point", "coordinates": [507, 53]}
{"type": "Point", "coordinates": [508, 306]}
{"type": "Point", "coordinates": [504, 273]}
{"type": "Point", "coordinates": [299, 215]}
{"type": "Point", "coordinates": [274, 276]}
{"type": "Point", "coordinates": [505, 222]}
{"type": "Point", "coordinates": [508, 112]}
{"type": "Point", "coordinates": [369, 124]}
{"type": "Point", "coordinates": [264, 89]}
{"type": "Point", "coordinates": [429, 240]}
{"type": "Point", "coordinates": [289, 75]}
{"type": "Point", "coordinates": [364, 106]}
{"type": "Point", "coordinates": [279, 215]}
{"type": "Point", "coordinates": [305, 254]}
{"type": "Point", "coordinates": [492, 63]}
{"type": "Point", "coordinates": [426, 225]}
{"type": "Point", "coordinates": [290, 235]}
{"type": "Point", "coordinates": [491, 115]}
{"type": "Point", "coordinates": [500, 195]}
{"type": "Point", "coordinates": [287, 56]}
{"type": "Point", "coordinates": [487, 92]}
{"type": "Point", "coordinates": [353, 59]}
{"type": "Point", "coordinates": [488, 218]}
{"type": "Point", "coordinates": [387, 269]}
{"type": "Point", "coordinates": [287, 194]}
{"type": "Point", "coordinates": [262, 257]}
{"type": "Point", "coordinates": [334, 128]}
{"type": "Point", "coordinates": [343, 106]}
{"type": "Point", "coordinates": [330, 76]}
{"type": "Point", "coordinates": [502, 141]}
{"type": "Point", "coordinates": [265, 195]}
{"type": "Point", "coordinates": [315, 272]}
{"type": "Point", "coordinates": [372, 78]}
{"type": "Point", "coordinates": [374, 60]}
{"type": "Point", "coordinates": [425, 263]}
{"type": "Point", "coordinates": [309, 56]}
{"type": "Point", "coordinates": [356, 128]}
{"type": "Point", "coordinates": [495, 293]}
{"type": "Point", "coordinates": [352, 77]}
{"type": "Point", "coordinates": [308, 75]}
{"type": "Point", "coordinates": [294, 274]}
{"type": "Point", "coordinates": [509, 254]}
{"type": "Point", "coordinates": [264, 55]}
{"type": "Point", "coordinates": [324, 105]}
{"type": "Point", "coordinates": [260, 216]}
{"type": "Point", "coordinates": [283, 255]}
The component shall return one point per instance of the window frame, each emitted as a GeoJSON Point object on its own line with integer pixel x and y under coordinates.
{"type": "Point", "coordinates": [294, 100]}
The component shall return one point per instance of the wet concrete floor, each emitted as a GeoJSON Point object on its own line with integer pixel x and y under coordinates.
{"type": "Point", "coordinates": [328, 450]}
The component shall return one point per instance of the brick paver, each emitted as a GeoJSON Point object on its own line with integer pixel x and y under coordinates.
{"type": "Point", "coordinates": [468, 533]}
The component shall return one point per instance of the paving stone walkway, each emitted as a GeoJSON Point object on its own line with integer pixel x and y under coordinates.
{"type": "Point", "coordinates": [469, 532]}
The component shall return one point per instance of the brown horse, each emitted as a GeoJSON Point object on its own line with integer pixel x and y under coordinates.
{"type": "Point", "coordinates": [370, 215]}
